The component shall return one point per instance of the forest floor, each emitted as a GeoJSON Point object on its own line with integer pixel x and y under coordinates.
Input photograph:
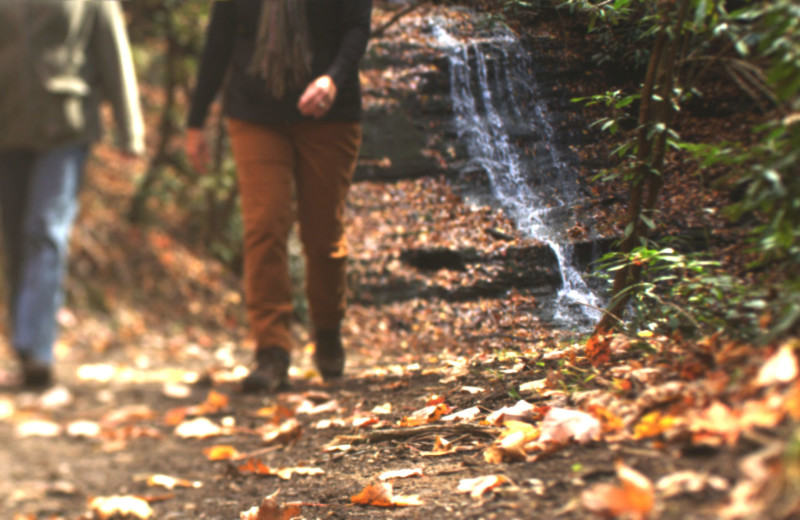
{"type": "Point", "coordinates": [450, 408]}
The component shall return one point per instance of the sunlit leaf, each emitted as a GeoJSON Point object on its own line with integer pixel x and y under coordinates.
{"type": "Point", "coordinates": [221, 452]}
{"type": "Point", "coordinates": [38, 428]}
{"type": "Point", "coordinates": [200, 428]}
{"type": "Point", "coordinates": [781, 367]}
{"type": "Point", "coordinates": [480, 485]}
{"type": "Point", "coordinates": [169, 482]}
{"type": "Point", "coordinates": [83, 429]}
{"type": "Point", "coordinates": [381, 495]}
{"type": "Point", "coordinates": [634, 497]}
{"type": "Point", "coordinates": [269, 509]}
{"type": "Point", "coordinates": [287, 473]}
{"type": "Point", "coordinates": [400, 473]}
{"type": "Point", "coordinates": [561, 425]}
{"type": "Point", "coordinates": [106, 508]}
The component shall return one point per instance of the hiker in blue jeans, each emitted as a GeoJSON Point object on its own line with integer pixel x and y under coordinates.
{"type": "Point", "coordinates": [58, 61]}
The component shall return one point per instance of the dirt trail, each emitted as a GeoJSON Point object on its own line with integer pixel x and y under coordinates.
{"type": "Point", "coordinates": [404, 355]}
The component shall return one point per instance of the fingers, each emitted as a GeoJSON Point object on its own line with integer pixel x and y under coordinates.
{"type": "Point", "coordinates": [318, 97]}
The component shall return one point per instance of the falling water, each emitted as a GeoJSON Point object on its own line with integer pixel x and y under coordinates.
{"type": "Point", "coordinates": [508, 133]}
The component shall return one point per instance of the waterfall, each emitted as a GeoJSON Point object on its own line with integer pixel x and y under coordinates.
{"type": "Point", "coordinates": [497, 112]}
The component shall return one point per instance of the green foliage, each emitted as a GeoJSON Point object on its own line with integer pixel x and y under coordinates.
{"type": "Point", "coordinates": [687, 292]}
{"type": "Point", "coordinates": [759, 46]}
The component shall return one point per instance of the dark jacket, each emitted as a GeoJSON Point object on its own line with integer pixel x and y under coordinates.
{"type": "Point", "coordinates": [339, 32]}
{"type": "Point", "coordinates": [58, 61]}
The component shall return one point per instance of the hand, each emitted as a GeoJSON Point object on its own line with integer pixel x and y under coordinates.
{"type": "Point", "coordinates": [196, 147]}
{"type": "Point", "coordinates": [318, 97]}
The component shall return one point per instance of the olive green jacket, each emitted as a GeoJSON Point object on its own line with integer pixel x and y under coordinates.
{"type": "Point", "coordinates": [58, 61]}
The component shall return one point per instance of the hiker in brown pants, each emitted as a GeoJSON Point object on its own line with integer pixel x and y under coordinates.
{"type": "Point", "coordinates": [292, 102]}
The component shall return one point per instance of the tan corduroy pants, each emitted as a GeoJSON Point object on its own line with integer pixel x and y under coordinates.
{"type": "Point", "coordinates": [316, 161]}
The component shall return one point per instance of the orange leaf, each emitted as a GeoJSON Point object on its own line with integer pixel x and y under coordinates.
{"type": "Point", "coordinates": [380, 495]}
{"type": "Point", "coordinates": [255, 466]}
{"type": "Point", "coordinates": [271, 510]}
{"type": "Point", "coordinates": [634, 498]}
{"type": "Point", "coordinates": [598, 349]}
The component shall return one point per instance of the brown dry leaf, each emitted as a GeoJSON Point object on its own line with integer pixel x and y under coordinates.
{"type": "Point", "coordinates": [38, 428]}
{"type": "Point", "coordinates": [175, 416]}
{"type": "Point", "coordinates": [520, 410]}
{"type": "Point", "coordinates": [359, 420]}
{"type": "Point", "coordinates": [380, 495]}
{"type": "Point", "coordinates": [441, 446]}
{"type": "Point", "coordinates": [511, 445]}
{"type": "Point", "coordinates": [286, 433]}
{"type": "Point", "coordinates": [215, 401]}
{"type": "Point", "coordinates": [792, 404]}
{"type": "Point", "coordinates": [172, 482]}
{"type": "Point", "coordinates": [106, 508]}
{"type": "Point", "coordinates": [634, 498]}
{"type": "Point", "coordinates": [127, 414]}
{"type": "Point", "coordinates": [562, 425]}
{"type": "Point", "coordinates": [598, 349]}
{"type": "Point", "coordinates": [383, 409]}
{"type": "Point", "coordinates": [781, 367]}
{"type": "Point", "coordinates": [427, 415]}
{"type": "Point", "coordinates": [200, 428]}
{"type": "Point", "coordinates": [271, 510]}
{"type": "Point", "coordinates": [287, 473]}
{"type": "Point", "coordinates": [464, 415]}
{"type": "Point", "coordinates": [400, 473]}
{"type": "Point", "coordinates": [256, 467]}
{"type": "Point", "coordinates": [480, 485]}
{"type": "Point", "coordinates": [690, 482]}
{"type": "Point", "coordinates": [83, 429]}
{"type": "Point", "coordinates": [221, 452]}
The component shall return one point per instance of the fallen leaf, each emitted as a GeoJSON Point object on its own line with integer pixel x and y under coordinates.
{"type": "Point", "coordinates": [426, 415]}
{"type": "Point", "coordinates": [176, 390]}
{"type": "Point", "coordinates": [654, 424]}
{"type": "Point", "coordinates": [83, 429]}
{"type": "Point", "coordinates": [271, 510]}
{"type": "Point", "coordinates": [55, 398]}
{"type": "Point", "coordinates": [400, 473]}
{"type": "Point", "coordinates": [598, 349]}
{"type": "Point", "coordinates": [287, 473]}
{"type": "Point", "coordinates": [562, 425]}
{"type": "Point", "coordinates": [521, 410]}
{"type": "Point", "coordinates": [634, 498]}
{"type": "Point", "coordinates": [172, 482]}
{"type": "Point", "coordinates": [38, 428]}
{"type": "Point", "coordinates": [127, 414]}
{"type": "Point", "coordinates": [286, 433]}
{"type": "Point", "coordinates": [781, 367]}
{"type": "Point", "coordinates": [380, 495]}
{"type": "Point", "coordinates": [200, 428]}
{"type": "Point", "coordinates": [464, 415]}
{"type": "Point", "coordinates": [383, 409]}
{"type": "Point", "coordinates": [221, 452]}
{"type": "Point", "coordinates": [109, 507]}
{"type": "Point", "coordinates": [480, 485]}
{"type": "Point", "coordinates": [256, 467]}
{"type": "Point", "coordinates": [7, 408]}
{"type": "Point", "coordinates": [690, 482]}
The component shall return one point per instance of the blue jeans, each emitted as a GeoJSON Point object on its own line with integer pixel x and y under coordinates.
{"type": "Point", "coordinates": [38, 203]}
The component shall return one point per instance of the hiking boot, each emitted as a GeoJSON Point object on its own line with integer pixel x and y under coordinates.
{"type": "Point", "coordinates": [329, 354]}
{"type": "Point", "coordinates": [36, 374]}
{"type": "Point", "coordinates": [271, 373]}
